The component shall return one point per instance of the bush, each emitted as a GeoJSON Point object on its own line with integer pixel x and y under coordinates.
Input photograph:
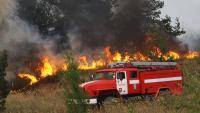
{"type": "Point", "coordinates": [73, 94]}
{"type": "Point", "coordinates": [4, 90]}
{"type": "Point", "coordinates": [190, 100]}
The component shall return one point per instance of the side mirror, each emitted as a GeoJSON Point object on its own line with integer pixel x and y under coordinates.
{"type": "Point", "coordinates": [91, 77]}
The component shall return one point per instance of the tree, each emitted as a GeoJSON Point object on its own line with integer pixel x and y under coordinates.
{"type": "Point", "coordinates": [123, 24]}
{"type": "Point", "coordinates": [134, 19]}
{"type": "Point", "coordinates": [73, 93]}
{"type": "Point", "coordinates": [44, 14]}
{"type": "Point", "coordinates": [4, 90]}
{"type": "Point", "coordinates": [88, 19]}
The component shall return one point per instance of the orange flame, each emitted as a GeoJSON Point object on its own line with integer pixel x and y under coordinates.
{"type": "Point", "coordinates": [86, 64]}
{"type": "Point", "coordinates": [50, 66]}
{"type": "Point", "coordinates": [32, 78]}
{"type": "Point", "coordinates": [192, 55]}
{"type": "Point", "coordinates": [47, 69]}
{"type": "Point", "coordinates": [173, 55]}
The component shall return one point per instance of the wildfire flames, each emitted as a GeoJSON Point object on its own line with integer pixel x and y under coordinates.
{"type": "Point", "coordinates": [32, 78]}
{"type": "Point", "coordinates": [47, 69]}
{"type": "Point", "coordinates": [51, 66]}
{"type": "Point", "coordinates": [109, 57]}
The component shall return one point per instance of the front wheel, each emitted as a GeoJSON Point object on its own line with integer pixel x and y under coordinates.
{"type": "Point", "coordinates": [110, 100]}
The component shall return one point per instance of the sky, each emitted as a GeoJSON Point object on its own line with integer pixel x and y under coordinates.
{"type": "Point", "coordinates": [188, 12]}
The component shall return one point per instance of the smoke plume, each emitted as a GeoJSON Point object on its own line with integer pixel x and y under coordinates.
{"type": "Point", "coordinates": [30, 29]}
{"type": "Point", "coordinates": [22, 41]}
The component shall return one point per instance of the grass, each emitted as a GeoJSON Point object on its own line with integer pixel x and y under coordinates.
{"type": "Point", "coordinates": [46, 99]}
{"type": "Point", "coordinates": [49, 98]}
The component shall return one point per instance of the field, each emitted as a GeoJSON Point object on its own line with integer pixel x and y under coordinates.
{"type": "Point", "coordinates": [49, 98]}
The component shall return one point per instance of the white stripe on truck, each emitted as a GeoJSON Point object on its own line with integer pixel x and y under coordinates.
{"type": "Point", "coordinates": [134, 82]}
{"type": "Point", "coordinates": [162, 79]}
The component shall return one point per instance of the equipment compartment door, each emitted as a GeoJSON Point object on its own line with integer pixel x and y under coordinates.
{"type": "Point", "coordinates": [134, 82]}
{"type": "Point", "coordinates": [122, 83]}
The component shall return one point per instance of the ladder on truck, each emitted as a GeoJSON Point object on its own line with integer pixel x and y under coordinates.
{"type": "Point", "coordinates": [144, 65]}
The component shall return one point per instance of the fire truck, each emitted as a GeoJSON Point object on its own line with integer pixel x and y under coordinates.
{"type": "Point", "coordinates": [132, 79]}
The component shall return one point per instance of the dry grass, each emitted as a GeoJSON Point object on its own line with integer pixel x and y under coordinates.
{"type": "Point", "coordinates": [46, 99]}
{"type": "Point", "coordinates": [49, 98]}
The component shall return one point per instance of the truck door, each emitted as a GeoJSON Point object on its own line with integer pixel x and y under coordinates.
{"type": "Point", "coordinates": [134, 82]}
{"type": "Point", "coordinates": [122, 83]}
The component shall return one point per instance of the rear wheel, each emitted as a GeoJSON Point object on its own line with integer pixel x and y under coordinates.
{"type": "Point", "coordinates": [162, 94]}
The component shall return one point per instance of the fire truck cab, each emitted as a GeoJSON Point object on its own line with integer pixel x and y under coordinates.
{"type": "Point", "coordinates": [131, 79]}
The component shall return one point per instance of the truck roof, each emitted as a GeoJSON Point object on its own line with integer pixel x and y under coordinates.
{"type": "Point", "coordinates": [116, 69]}
{"type": "Point", "coordinates": [151, 68]}
{"type": "Point", "coordinates": [141, 66]}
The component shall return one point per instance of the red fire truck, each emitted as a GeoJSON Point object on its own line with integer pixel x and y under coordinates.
{"type": "Point", "coordinates": [135, 78]}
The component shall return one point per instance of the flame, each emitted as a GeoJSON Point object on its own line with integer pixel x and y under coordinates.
{"type": "Point", "coordinates": [117, 57]}
{"type": "Point", "coordinates": [86, 64]}
{"type": "Point", "coordinates": [173, 55]}
{"type": "Point", "coordinates": [192, 55]}
{"type": "Point", "coordinates": [166, 56]}
{"type": "Point", "coordinates": [108, 54]}
{"type": "Point", "coordinates": [49, 65]}
{"type": "Point", "coordinates": [140, 57]}
{"type": "Point", "coordinates": [32, 78]}
{"type": "Point", "coordinates": [47, 69]}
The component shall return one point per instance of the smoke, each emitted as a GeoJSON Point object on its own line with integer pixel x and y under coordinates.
{"type": "Point", "coordinates": [96, 24]}
{"type": "Point", "coordinates": [192, 40]}
{"type": "Point", "coordinates": [23, 42]}
{"type": "Point", "coordinates": [89, 25]}
{"type": "Point", "coordinates": [82, 26]}
{"type": "Point", "coordinates": [123, 27]}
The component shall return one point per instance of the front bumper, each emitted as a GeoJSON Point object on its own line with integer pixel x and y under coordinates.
{"type": "Point", "coordinates": [91, 101]}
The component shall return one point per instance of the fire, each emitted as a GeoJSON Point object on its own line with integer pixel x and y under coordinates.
{"type": "Point", "coordinates": [173, 55]}
{"type": "Point", "coordinates": [166, 56]}
{"type": "Point", "coordinates": [84, 65]}
{"type": "Point", "coordinates": [32, 78]}
{"type": "Point", "coordinates": [49, 65]}
{"type": "Point", "coordinates": [47, 69]}
{"type": "Point", "coordinates": [117, 57]}
{"type": "Point", "coordinates": [140, 57]}
{"type": "Point", "coordinates": [110, 57]}
{"type": "Point", "coordinates": [192, 54]}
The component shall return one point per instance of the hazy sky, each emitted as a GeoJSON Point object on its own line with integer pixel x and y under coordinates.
{"type": "Point", "coordinates": [188, 11]}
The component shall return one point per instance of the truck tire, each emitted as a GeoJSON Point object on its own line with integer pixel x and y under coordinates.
{"type": "Point", "coordinates": [149, 97]}
{"type": "Point", "coordinates": [110, 100]}
{"type": "Point", "coordinates": [162, 94]}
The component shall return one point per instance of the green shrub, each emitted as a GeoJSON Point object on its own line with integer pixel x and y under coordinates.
{"type": "Point", "coordinates": [73, 94]}
{"type": "Point", "coordinates": [190, 100]}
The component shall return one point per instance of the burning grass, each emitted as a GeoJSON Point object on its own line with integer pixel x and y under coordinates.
{"type": "Point", "coordinates": [50, 65]}
{"type": "Point", "coordinates": [49, 98]}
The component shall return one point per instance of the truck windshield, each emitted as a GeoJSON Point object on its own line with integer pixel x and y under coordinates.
{"type": "Point", "coordinates": [104, 75]}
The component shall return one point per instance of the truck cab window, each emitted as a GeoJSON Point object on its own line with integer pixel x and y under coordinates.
{"type": "Point", "coordinates": [121, 75]}
{"type": "Point", "coordinates": [104, 75]}
{"type": "Point", "coordinates": [133, 74]}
